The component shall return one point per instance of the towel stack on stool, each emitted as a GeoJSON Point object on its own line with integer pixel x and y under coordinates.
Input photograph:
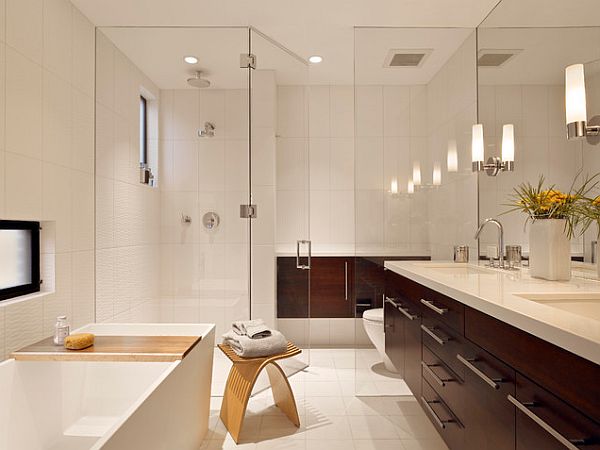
{"type": "Point", "coordinates": [253, 339]}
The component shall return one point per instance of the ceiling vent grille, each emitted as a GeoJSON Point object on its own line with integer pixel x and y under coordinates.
{"type": "Point", "coordinates": [495, 57]}
{"type": "Point", "coordinates": [406, 58]}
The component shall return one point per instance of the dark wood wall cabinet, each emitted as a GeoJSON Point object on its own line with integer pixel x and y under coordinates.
{"type": "Point", "coordinates": [340, 286]}
{"type": "Point", "coordinates": [484, 384]}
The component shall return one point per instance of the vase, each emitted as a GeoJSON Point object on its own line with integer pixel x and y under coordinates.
{"type": "Point", "coordinates": [549, 250]}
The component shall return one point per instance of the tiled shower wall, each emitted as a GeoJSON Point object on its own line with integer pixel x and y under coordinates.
{"type": "Point", "coordinates": [127, 212]}
{"type": "Point", "coordinates": [203, 273]}
{"type": "Point", "coordinates": [47, 158]}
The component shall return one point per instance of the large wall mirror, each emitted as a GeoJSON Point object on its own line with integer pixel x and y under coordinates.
{"type": "Point", "coordinates": [521, 82]}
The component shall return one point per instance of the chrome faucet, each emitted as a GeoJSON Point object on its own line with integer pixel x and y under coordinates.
{"type": "Point", "coordinates": [500, 239]}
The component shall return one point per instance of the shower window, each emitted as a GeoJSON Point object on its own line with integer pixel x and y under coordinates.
{"type": "Point", "coordinates": [143, 131]}
{"type": "Point", "coordinates": [19, 258]}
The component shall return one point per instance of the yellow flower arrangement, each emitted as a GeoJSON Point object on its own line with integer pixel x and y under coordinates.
{"type": "Point", "coordinates": [539, 202]}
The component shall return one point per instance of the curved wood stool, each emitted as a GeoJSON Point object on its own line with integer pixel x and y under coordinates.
{"type": "Point", "coordinates": [241, 380]}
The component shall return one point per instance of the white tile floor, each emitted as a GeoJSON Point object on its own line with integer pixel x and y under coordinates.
{"type": "Point", "coordinates": [329, 410]}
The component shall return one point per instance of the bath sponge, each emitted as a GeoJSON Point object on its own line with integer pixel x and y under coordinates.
{"type": "Point", "coordinates": [79, 341]}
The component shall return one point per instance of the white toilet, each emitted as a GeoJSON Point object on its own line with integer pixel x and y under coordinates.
{"type": "Point", "coordinates": [373, 323]}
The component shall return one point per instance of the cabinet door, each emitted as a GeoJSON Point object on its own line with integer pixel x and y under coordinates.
{"type": "Point", "coordinates": [489, 418]}
{"type": "Point", "coordinates": [412, 348]}
{"type": "Point", "coordinates": [394, 334]}
{"type": "Point", "coordinates": [292, 289]}
{"type": "Point", "coordinates": [331, 287]}
{"type": "Point", "coordinates": [543, 420]}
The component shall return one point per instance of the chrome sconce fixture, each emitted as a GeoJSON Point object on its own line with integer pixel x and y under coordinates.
{"type": "Point", "coordinates": [395, 191]}
{"type": "Point", "coordinates": [576, 108]}
{"type": "Point", "coordinates": [494, 165]}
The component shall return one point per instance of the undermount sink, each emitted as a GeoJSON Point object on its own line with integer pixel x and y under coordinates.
{"type": "Point", "coordinates": [585, 304]}
{"type": "Point", "coordinates": [457, 268]}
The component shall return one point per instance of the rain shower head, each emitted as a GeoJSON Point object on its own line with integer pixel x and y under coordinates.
{"type": "Point", "coordinates": [197, 81]}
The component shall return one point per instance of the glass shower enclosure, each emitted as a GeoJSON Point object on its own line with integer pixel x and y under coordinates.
{"type": "Point", "coordinates": [188, 230]}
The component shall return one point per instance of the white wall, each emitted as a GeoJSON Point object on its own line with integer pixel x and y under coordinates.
{"type": "Point", "coordinates": [127, 212]}
{"type": "Point", "coordinates": [47, 158]}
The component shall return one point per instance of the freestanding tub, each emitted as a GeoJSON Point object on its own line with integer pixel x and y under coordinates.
{"type": "Point", "coordinates": [73, 405]}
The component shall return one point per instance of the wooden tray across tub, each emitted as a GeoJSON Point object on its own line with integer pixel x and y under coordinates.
{"type": "Point", "coordinates": [113, 348]}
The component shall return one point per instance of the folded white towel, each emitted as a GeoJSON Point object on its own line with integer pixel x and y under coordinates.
{"type": "Point", "coordinates": [253, 348]}
{"type": "Point", "coordinates": [252, 328]}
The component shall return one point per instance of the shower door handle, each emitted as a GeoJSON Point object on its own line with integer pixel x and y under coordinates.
{"type": "Point", "coordinates": [307, 265]}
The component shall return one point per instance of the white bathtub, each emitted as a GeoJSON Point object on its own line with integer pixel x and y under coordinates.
{"type": "Point", "coordinates": [109, 405]}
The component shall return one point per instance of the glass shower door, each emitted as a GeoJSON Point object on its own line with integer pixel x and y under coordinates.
{"type": "Point", "coordinates": [280, 233]}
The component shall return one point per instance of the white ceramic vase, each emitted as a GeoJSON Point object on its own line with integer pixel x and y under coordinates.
{"type": "Point", "coordinates": [549, 250]}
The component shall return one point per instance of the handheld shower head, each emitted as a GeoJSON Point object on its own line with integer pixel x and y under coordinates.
{"type": "Point", "coordinates": [197, 81]}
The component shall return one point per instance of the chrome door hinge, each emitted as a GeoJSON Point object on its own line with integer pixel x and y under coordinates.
{"type": "Point", "coordinates": [247, 61]}
{"type": "Point", "coordinates": [248, 211]}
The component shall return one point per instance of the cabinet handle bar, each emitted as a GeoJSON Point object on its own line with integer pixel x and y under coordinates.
{"type": "Point", "coordinates": [492, 382]}
{"type": "Point", "coordinates": [430, 305]}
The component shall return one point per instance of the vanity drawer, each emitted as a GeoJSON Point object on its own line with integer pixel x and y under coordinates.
{"type": "Point", "coordinates": [448, 385]}
{"type": "Point", "coordinates": [543, 420]}
{"type": "Point", "coordinates": [438, 306]}
{"type": "Point", "coordinates": [444, 341]}
{"type": "Point", "coordinates": [442, 417]}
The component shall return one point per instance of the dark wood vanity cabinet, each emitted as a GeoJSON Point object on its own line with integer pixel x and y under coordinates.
{"type": "Point", "coordinates": [487, 385]}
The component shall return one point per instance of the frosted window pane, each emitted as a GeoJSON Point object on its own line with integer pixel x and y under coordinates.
{"type": "Point", "coordinates": [15, 258]}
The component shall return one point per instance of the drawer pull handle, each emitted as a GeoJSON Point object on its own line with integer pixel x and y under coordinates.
{"type": "Point", "coordinates": [430, 305]}
{"type": "Point", "coordinates": [568, 443]}
{"type": "Point", "coordinates": [391, 301]}
{"type": "Point", "coordinates": [493, 382]}
{"type": "Point", "coordinates": [346, 280]}
{"type": "Point", "coordinates": [434, 336]}
{"type": "Point", "coordinates": [406, 313]}
{"type": "Point", "coordinates": [440, 423]}
{"type": "Point", "coordinates": [438, 380]}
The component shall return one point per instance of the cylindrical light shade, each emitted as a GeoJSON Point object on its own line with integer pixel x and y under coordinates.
{"type": "Point", "coordinates": [410, 188]}
{"type": "Point", "coordinates": [416, 173]}
{"type": "Point", "coordinates": [477, 143]}
{"type": "Point", "coordinates": [575, 94]}
{"type": "Point", "coordinates": [452, 156]}
{"type": "Point", "coordinates": [437, 174]}
{"type": "Point", "coordinates": [394, 186]}
{"type": "Point", "coordinates": [508, 143]}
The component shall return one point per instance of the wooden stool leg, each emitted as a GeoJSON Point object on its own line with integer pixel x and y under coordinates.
{"type": "Point", "coordinates": [235, 399]}
{"type": "Point", "coordinates": [282, 392]}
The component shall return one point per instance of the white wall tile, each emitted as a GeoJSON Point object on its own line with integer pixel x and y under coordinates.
{"type": "Point", "coordinates": [396, 111]}
{"type": "Point", "coordinates": [292, 164]}
{"type": "Point", "coordinates": [212, 109]}
{"type": "Point", "coordinates": [369, 163]}
{"type": "Point", "coordinates": [535, 111]}
{"type": "Point", "coordinates": [236, 165]}
{"type": "Point", "coordinates": [83, 132]}
{"type": "Point", "coordinates": [236, 114]}
{"type": "Point", "coordinates": [291, 111]}
{"type": "Point", "coordinates": [263, 227]}
{"type": "Point", "coordinates": [82, 211]}
{"type": "Point", "coordinates": [57, 39]}
{"type": "Point", "coordinates": [263, 274]}
{"type": "Point", "coordinates": [105, 70]}
{"type": "Point", "coordinates": [211, 165]}
{"type": "Point", "coordinates": [342, 217]}
{"type": "Point", "coordinates": [23, 187]}
{"type": "Point", "coordinates": [342, 163]}
{"type": "Point", "coordinates": [369, 111]}
{"type": "Point", "coordinates": [342, 111]}
{"type": "Point", "coordinates": [319, 332]}
{"type": "Point", "coordinates": [57, 190]}
{"type": "Point", "coordinates": [24, 20]}
{"type": "Point", "coordinates": [82, 275]}
{"type": "Point", "coordinates": [320, 207]}
{"type": "Point", "coordinates": [2, 334]}
{"type": "Point", "coordinates": [185, 165]}
{"type": "Point", "coordinates": [2, 186]}
{"type": "Point", "coordinates": [59, 302]}
{"type": "Point", "coordinates": [370, 211]}
{"type": "Point", "coordinates": [185, 114]}
{"type": "Point", "coordinates": [319, 111]}
{"type": "Point", "coordinates": [83, 41]}
{"type": "Point", "coordinates": [319, 163]}
{"type": "Point", "coordinates": [57, 120]}
{"type": "Point", "coordinates": [23, 105]}
{"type": "Point", "coordinates": [342, 332]}
{"type": "Point", "coordinates": [23, 324]}
{"type": "Point", "coordinates": [418, 111]}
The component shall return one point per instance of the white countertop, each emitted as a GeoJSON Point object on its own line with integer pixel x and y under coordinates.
{"type": "Point", "coordinates": [493, 292]}
{"type": "Point", "coordinates": [351, 250]}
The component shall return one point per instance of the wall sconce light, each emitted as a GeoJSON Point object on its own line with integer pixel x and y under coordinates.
{"type": "Point", "coordinates": [394, 186]}
{"type": "Point", "coordinates": [410, 187]}
{"type": "Point", "coordinates": [575, 105]}
{"type": "Point", "coordinates": [452, 160]}
{"type": "Point", "coordinates": [416, 179]}
{"type": "Point", "coordinates": [437, 174]}
{"type": "Point", "coordinates": [494, 165]}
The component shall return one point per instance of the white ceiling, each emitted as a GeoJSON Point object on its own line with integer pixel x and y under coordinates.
{"type": "Point", "coordinates": [306, 27]}
{"type": "Point", "coordinates": [544, 13]}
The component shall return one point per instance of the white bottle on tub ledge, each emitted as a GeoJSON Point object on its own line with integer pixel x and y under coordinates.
{"type": "Point", "coordinates": [61, 330]}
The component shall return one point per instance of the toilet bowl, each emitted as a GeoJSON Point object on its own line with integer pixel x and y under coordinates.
{"type": "Point", "coordinates": [373, 324]}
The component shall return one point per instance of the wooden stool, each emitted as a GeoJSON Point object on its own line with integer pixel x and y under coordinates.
{"type": "Point", "coordinates": [243, 375]}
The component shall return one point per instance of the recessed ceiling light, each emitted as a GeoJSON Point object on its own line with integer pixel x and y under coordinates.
{"type": "Point", "coordinates": [315, 59]}
{"type": "Point", "coordinates": [190, 59]}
